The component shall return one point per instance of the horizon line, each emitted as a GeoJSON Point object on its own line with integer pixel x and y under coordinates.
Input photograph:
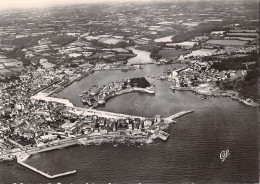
{"type": "Point", "coordinates": [29, 4]}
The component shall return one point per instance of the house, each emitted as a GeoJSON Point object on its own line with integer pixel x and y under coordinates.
{"type": "Point", "coordinates": [147, 123]}
{"type": "Point", "coordinates": [48, 137]}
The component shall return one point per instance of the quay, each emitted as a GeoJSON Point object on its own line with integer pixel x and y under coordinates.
{"type": "Point", "coordinates": [106, 114]}
{"type": "Point", "coordinates": [20, 161]}
{"type": "Point", "coordinates": [54, 146]}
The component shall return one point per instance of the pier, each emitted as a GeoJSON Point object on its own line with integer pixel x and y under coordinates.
{"type": "Point", "coordinates": [177, 115]}
{"type": "Point", "coordinates": [20, 161]}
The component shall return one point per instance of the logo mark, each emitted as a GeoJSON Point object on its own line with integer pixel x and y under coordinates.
{"type": "Point", "coordinates": [224, 154]}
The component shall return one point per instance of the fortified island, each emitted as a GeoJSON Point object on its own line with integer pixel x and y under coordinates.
{"type": "Point", "coordinates": [94, 98]}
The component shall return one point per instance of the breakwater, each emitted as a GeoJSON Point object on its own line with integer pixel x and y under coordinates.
{"type": "Point", "coordinates": [177, 115]}
{"type": "Point", "coordinates": [43, 173]}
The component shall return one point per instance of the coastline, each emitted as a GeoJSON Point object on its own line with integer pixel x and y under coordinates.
{"type": "Point", "coordinates": [225, 94]}
{"type": "Point", "coordinates": [124, 91]}
{"type": "Point", "coordinates": [99, 138]}
{"type": "Point", "coordinates": [133, 89]}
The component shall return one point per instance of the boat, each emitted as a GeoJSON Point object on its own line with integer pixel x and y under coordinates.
{"type": "Point", "coordinates": [250, 102]}
{"type": "Point", "coordinates": [163, 77]}
{"type": "Point", "coordinates": [101, 101]}
{"type": "Point", "coordinates": [86, 101]}
{"type": "Point", "coordinates": [93, 93]}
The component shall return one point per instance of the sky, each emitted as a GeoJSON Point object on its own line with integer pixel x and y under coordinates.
{"type": "Point", "coordinates": [8, 4]}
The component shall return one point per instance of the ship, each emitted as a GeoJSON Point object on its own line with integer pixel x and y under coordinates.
{"type": "Point", "coordinates": [102, 101]}
{"type": "Point", "coordinates": [250, 102]}
{"type": "Point", "coordinates": [163, 77]}
{"type": "Point", "coordinates": [86, 101]}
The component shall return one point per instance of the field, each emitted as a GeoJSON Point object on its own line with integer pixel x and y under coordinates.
{"type": "Point", "coordinates": [8, 60]}
{"type": "Point", "coordinates": [171, 53]}
{"type": "Point", "coordinates": [102, 54]}
{"type": "Point", "coordinates": [193, 24]}
{"type": "Point", "coordinates": [122, 50]}
{"type": "Point", "coordinates": [164, 39]}
{"type": "Point", "coordinates": [243, 34]}
{"type": "Point", "coordinates": [96, 37]}
{"type": "Point", "coordinates": [110, 40]}
{"type": "Point", "coordinates": [146, 47]}
{"type": "Point", "coordinates": [126, 55]}
{"type": "Point", "coordinates": [47, 64]}
{"type": "Point", "coordinates": [5, 72]}
{"type": "Point", "coordinates": [227, 42]}
{"type": "Point", "coordinates": [14, 65]}
{"type": "Point", "coordinates": [240, 38]}
{"type": "Point", "coordinates": [201, 52]}
{"type": "Point", "coordinates": [242, 31]}
{"type": "Point", "coordinates": [1, 66]}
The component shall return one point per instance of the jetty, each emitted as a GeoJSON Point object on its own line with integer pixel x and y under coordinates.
{"type": "Point", "coordinates": [21, 162]}
{"type": "Point", "coordinates": [177, 115]}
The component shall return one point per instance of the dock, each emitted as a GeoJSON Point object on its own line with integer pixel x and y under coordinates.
{"type": "Point", "coordinates": [19, 161]}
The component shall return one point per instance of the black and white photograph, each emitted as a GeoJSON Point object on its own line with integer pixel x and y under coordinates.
{"type": "Point", "coordinates": [129, 91]}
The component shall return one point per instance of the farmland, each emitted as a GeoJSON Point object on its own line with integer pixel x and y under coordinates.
{"type": "Point", "coordinates": [227, 42]}
{"type": "Point", "coordinates": [171, 53]}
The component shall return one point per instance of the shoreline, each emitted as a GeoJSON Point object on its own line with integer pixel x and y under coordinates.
{"type": "Point", "coordinates": [99, 138]}
{"type": "Point", "coordinates": [129, 90]}
{"type": "Point", "coordinates": [240, 100]}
